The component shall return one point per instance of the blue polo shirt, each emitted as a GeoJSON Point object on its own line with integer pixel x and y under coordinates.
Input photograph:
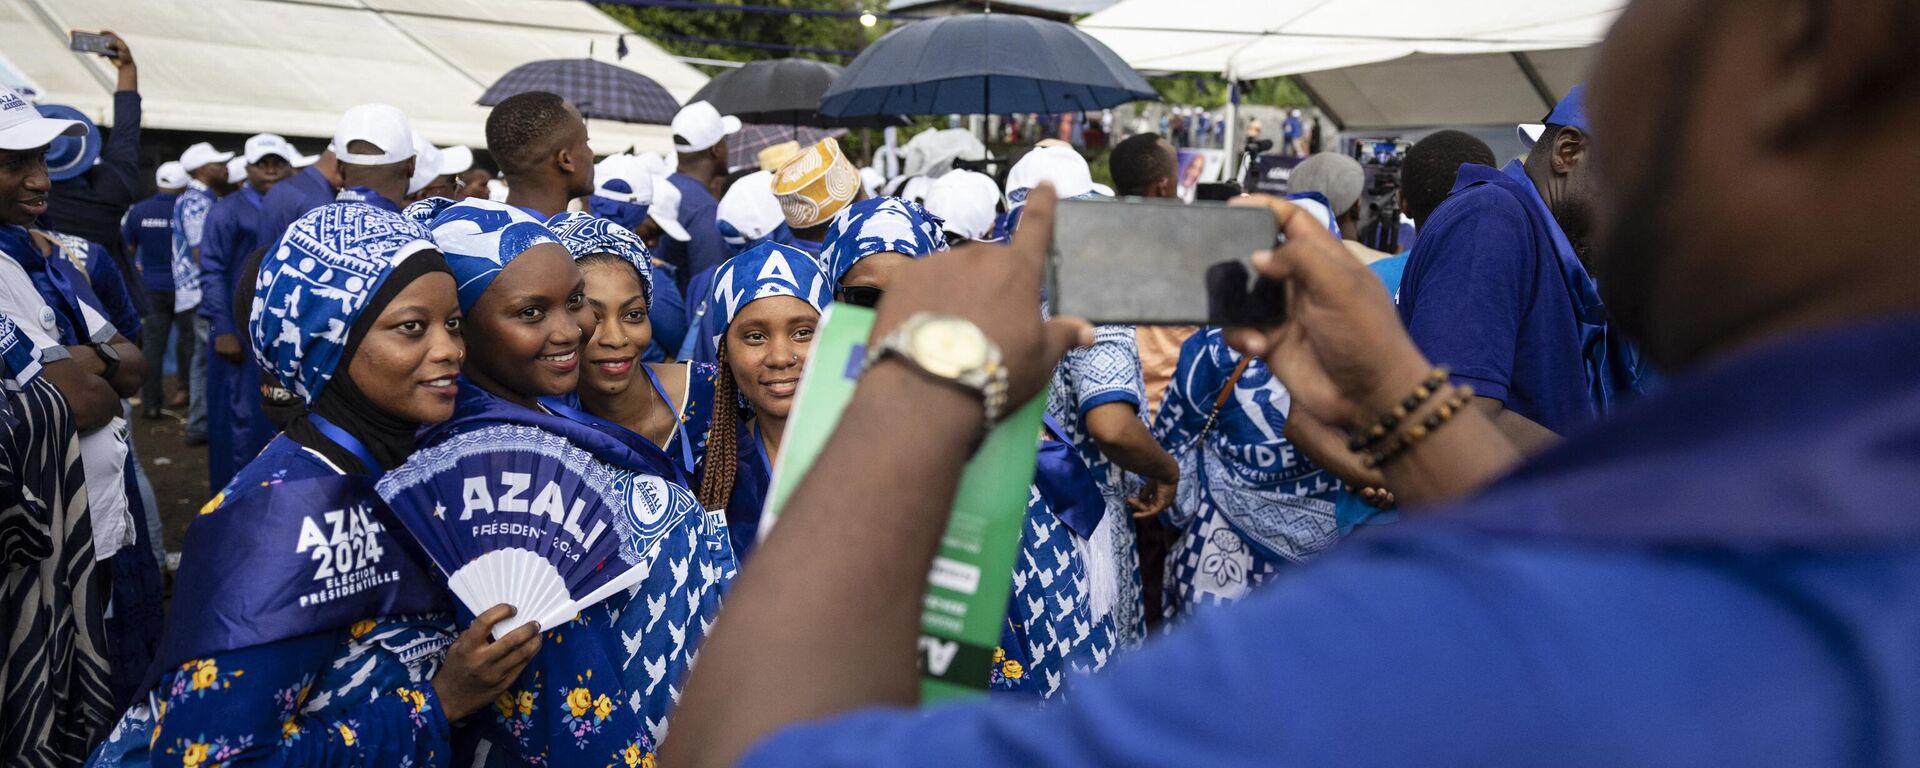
{"type": "Point", "coordinates": [148, 227]}
{"type": "Point", "coordinates": [231, 235]}
{"type": "Point", "coordinates": [1726, 573]}
{"type": "Point", "coordinates": [290, 199]}
{"type": "Point", "coordinates": [1494, 291]}
{"type": "Point", "coordinates": [697, 210]}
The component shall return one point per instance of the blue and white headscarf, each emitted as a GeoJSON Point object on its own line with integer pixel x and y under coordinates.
{"type": "Point", "coordinates": [878, 225]}
{"type": "Point", "coordinates": [478, 237]}
{"type": "Point", "coordinates": [767, 269]}
{"type": "Point", "coordinates": [315, 282]}
{"type": "Point", "coordinates": [585, 234]}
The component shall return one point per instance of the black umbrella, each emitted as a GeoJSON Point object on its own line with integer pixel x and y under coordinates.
{"type": "Point", "coordinates": [783, 92]}
{"type": "Point", "coordinates": [992, 63]}
{"type": "Point", "coordinates": [601, 91]}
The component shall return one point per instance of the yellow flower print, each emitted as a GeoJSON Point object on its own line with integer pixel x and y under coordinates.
{"type": "Point", "coordinates": [361, 627]}
{"type": "Point", "coordinates": [999, 655]}
{"type": "Point", "coordinates": [195, 755]}
{"type": "Point", "coordinates": [413, 697]}
{"type": "Point", "coordinates": [1012, 670]}
{"type": "Point", "coordinates": [288, 729]}
{"type": "Point", "coordinates": [580, 700]}
{"type": "Point", "coordinates": [204, 674]}
{"type": "Point", "coordinates": [646, 761]}
{"type": "Point", "coordinates": [602, 707]}
{"type": "Point", "coordinates": [346, 734]}
{"type": "Point", "coordinates": [526, 702]}
{"type": "Point", "coordinates": [214, 503]}
{"type": "Point", "coordinates": [504, 704]}
{"type": "Point", "coordinates": [631, 755]}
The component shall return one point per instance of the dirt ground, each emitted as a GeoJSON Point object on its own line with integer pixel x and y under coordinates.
{"type": "Point", "coordinates": [177, 471]}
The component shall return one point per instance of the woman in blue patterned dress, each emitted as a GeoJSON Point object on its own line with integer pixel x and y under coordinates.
{"type": "Point", "coordinates": [669, 404]}
{"type": "Point", "coordinates": [305, 631]}
{"type": "Point", "coordinates": [766, 304]}
{"type": "Point", "coordinates": [600, 690]}
{"type": "Point", "coordinates": [1051, 628]}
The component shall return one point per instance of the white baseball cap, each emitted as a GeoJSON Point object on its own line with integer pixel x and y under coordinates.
{"type": "Point", "coordinates": [263, 144]}
{"type": "Point", "coordinates": [456, 160]}
{"type": "Point", "coordinates": [624, 178]}
{"type": "Point", "coordinates": [426, 164]}
{"type": "Point", "coordinates": [750, 206]}
{"type": "Point", "coordinates": [665, 209]}
{"type": "Point", "coordinates": [202, 154]}
{"type": "Point", "coordinates": [965, 201]}
{"type": "Point", "coordinates": [170, 175]}
{"type": "Point", "coordinates": [701, 126]}
{"type": "Point", "coordinates": [381, 125]}
{"type": "Point", "coordinates": [1061, 165]}
{"type": "Point", "coordinates": [22, 127]}
{"type": "Point", "coordinates": [237, 170]}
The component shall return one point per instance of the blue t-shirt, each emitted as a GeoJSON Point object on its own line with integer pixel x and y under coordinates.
{"type": "Point", "coordinates": [1489, 292]}
{"type": "Point", "coordinates": [1390, 270]}
{"type": "Point", "coordinates": [697, 209]}
{"type": "Point", "coordinates": [1699, 580]}
{"type": "Point", "coordinates": [149, 229]}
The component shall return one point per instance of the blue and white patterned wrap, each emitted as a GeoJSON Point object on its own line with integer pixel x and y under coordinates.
{"type": "Point", "coordinates": [189, 224]}
{"type": "Point", "coordinates": [1107, 372]}
{"type": "Point", "coordinates": [879, 225]}
{"type": "Point", "coordinates": [767, 269]}
{"type": "Point", "coordinates": [21, 362]}
{"type": "Point", "coordinates": [1051, 628]}
{"type": "Point", "coordinates": [585, 234]}
{"type": "Point", "coordinates": [478, 237]}
{"type": "Point", "coordinates": [1249, 503]}
{"type": "Point", "coordinates": [314, 283]}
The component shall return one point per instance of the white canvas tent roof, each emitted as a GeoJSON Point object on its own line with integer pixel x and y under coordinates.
{"type": "Point", "coordinates": [292, 66]}
{"type": "Point", "coordinates": [1375, 63]}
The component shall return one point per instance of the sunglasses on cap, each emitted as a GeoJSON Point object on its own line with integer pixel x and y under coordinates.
{"type": "Point", "coordinates": [859, 295]}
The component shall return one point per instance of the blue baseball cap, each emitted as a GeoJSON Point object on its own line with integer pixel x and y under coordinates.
{"type": "Point", "coordinates": [1572, 110]}
{"type": "Point", "coordinates": [70, 155]}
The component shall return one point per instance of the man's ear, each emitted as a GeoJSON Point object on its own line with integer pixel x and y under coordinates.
{"type": "Point", "coordinates": [408, 165]}
{"type": "Point", "coordinates": [1569, 149]}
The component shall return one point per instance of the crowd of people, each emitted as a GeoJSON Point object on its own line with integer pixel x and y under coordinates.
{"type": "Point", "coordinates": [1448, 496]}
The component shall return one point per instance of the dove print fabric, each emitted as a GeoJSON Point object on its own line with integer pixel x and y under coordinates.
{"type": "Point", "coordinates": [1248, 503]}
{"type": "Point", "coordinates": [767, 269]}
{"type": "Point", "coordinates": [478, 237]}
{"type": "Point", "coordinates": [879, 225]}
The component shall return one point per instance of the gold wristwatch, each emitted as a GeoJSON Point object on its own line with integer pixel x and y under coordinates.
{"type": "Point", "coordinates": [951, 349]}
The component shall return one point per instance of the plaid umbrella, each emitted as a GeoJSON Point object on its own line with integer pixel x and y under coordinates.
{"type": "Point", "coordinates": [601, 91]}
{"type": "Point", "coordinates": [783, 92]}
{"type": "Point", "coordinates": [744, 147]}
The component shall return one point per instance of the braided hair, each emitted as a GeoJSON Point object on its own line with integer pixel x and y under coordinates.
{"type": "Point", "coordinates": [722, 463]}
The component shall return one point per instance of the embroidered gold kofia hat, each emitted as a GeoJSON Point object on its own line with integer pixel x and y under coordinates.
{"type": "Point", "coordinates": [815, 184]}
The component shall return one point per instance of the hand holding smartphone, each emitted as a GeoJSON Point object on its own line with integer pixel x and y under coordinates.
{"type": "Point", "coordinates": [92, 42]}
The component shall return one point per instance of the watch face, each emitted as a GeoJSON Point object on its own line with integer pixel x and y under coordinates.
{"type": "Point", "coordinates": [947, 348]}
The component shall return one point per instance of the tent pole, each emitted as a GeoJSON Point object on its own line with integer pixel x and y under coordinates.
{"type": "Point", "coordinates": [1233, 130]}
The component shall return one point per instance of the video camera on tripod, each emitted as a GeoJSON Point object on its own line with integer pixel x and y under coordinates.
{"type": "Point", "coordinates": [1381, 159]}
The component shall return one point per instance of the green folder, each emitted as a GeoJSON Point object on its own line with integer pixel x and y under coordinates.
{"type": "Point", "coordinates": [966, 602]}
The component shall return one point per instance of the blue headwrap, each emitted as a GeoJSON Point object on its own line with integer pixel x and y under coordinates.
{"type": "Point", "coordinates": [767, 269]}
{"type": "Point", "coordinates": [878, 225]}
{"type": "Point", "coordinates": [585, 234]}
{"type": "Point", "coordinates": [478, 237]}
{"type": "Point", "coordinates": [314, 283]}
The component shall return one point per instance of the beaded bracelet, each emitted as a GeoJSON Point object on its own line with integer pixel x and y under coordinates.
{"type": "Point", "coordinates": [1414, 434]}
{"type": "Point", "coordinates": [1436, 379]}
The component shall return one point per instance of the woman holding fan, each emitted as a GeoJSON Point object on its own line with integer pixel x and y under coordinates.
{"type": "Point", "coordinates": [586, 533]}
{"type": "Point", "coordinates": [767, 302]}
{"type": "Point", "coordinates": [305, 631]}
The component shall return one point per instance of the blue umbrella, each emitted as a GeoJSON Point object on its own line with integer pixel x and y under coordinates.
{"type": "Point", "coordinates": [992, 63]}
{"type": "Point", "coordinates": [601, 91]}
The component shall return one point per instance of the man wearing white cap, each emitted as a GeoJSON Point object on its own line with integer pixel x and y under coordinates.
{"type": "Point", "coordinates": [700, 136]}
{"type": "Point", "coordinates": [147, 231]}
{"type": "Point", "coordinates": [967, 203]}
{"type": "Point", "coordinates": [628, 192]}
{"type": "Point", "coordinates": [56, 610]}
{"type": "Point", "coordinates": [206, 167]}
{"type": "Point", "coordinates": [374, 147]}
{"type": "Point", "coordinates": [237, 428]}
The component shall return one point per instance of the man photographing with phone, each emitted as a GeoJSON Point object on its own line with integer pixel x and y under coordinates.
{"type": "Point", "coordinates": [89, 198]}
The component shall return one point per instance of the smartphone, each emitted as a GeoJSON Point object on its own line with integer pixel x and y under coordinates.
{"type": "Point", "coordinates": [91, 42]}
{"type": "Point", "coordinates": [1160, 262]}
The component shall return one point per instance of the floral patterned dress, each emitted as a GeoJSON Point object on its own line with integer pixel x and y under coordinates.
{"type": "Point", "coordinates": [360, 695]}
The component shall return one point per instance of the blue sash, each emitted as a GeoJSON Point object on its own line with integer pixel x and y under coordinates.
{"type": "Point", "coordinates": [292, 558]}
{"type": "Point", "coordinates": [680, 475]}
{"type": "Point", "coordinates": [1067, 485]}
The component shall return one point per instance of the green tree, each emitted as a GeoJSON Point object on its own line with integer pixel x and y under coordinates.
{"type": "Point", "coordinates": [670, 27]}
{"type": "Point", "coordinates": [1211, 92]}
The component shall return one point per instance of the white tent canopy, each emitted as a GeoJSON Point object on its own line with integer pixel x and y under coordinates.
{"type": "Point", "coordinates": [1374, 63]}
{"type": "Point", "coordinates": [292, 66]}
